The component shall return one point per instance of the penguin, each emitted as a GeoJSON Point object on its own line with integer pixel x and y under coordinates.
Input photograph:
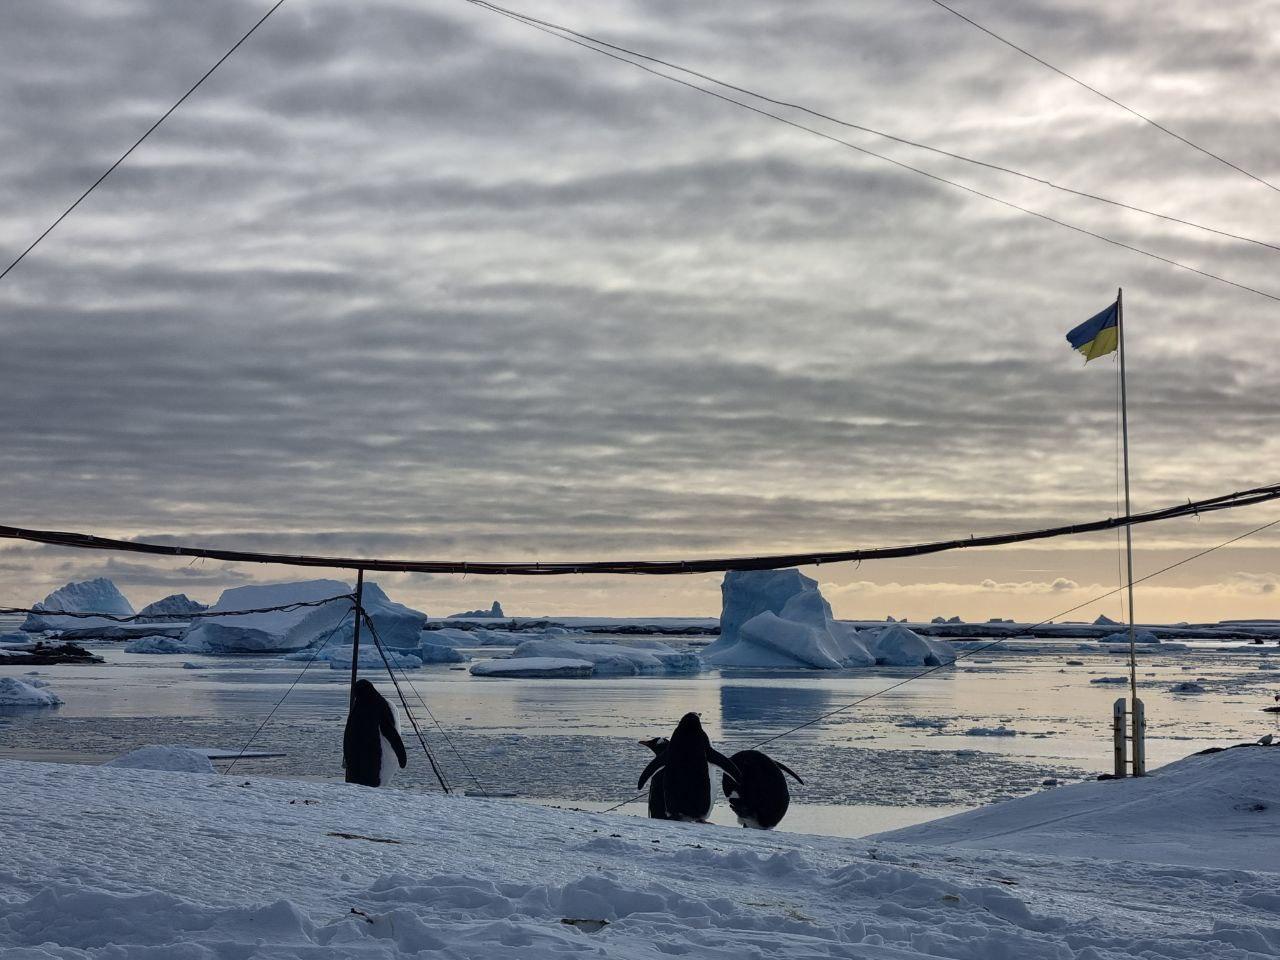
{"type": "Point", "coordinates": [760, 797]}
{"type": "Point", "coordinates": [371, 743]}
{"type": "Point", "coordinates": [686, 785]}
{"type": "Point", "coordinates": [657, 805]}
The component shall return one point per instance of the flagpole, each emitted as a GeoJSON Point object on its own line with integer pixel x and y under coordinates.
{"type": "Point", "coordinates": [1135, 711]}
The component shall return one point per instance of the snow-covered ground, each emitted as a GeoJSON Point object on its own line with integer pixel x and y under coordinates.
{"type": "Point", "coordinates": [108, 863]}
{"type": "Point", "coordinates": [1214, 810]}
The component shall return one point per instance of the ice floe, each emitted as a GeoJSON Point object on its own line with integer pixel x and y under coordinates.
{"type": "Point", "coordinates": [21, 693]}
{"type": "Point", "coordinates": [613, 659]}
{"type": "Point", "coordinates": [543, 667]}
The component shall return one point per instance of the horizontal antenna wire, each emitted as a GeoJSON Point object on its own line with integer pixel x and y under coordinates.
{"type": "Point", "coordinates": [84, 541]}
{"type": "Point", "coordinates": [979, 649]}
{"type": "Point", "coordinates": [1096, 92]}
{"type": "Point", "coordinates": [531, 20]}
{"type": "Point", "coordinates": [520, 18]}
{"type": "Point", "coordinates": [137, 143]}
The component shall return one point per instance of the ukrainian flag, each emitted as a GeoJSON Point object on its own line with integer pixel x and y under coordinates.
{"type": "Point", "coordinates": [1097, 336]}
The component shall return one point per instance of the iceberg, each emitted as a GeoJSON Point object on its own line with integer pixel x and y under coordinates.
{"type": "Point", "coordinates": [267, 632]}
{"type": "Point", "coordinates": [86, 596]}
{"type": "Point", "coordinates": [159, 643]}
{"type": "Point", "coordinates": [897, 645]}
{"type": "Point", "coordinates": [281, 631]}
{"type": "Point", "coordinates": [779, 618]}
{"type": "Point", "coordinates": [539, 667]}
{"type": "Point", "coordinates": [1139, 636]}
{"type": "Point", "coordinates": [399, 627]}
{"type": "Point", "coordinates": [176, 606]}
{"type": "Point", "coordinates": [16, 693]}
{"type": "Point", "coordinates": [611, 659]}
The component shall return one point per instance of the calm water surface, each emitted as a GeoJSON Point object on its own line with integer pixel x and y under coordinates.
{"type": "Point", "coordinates": [573, 742]}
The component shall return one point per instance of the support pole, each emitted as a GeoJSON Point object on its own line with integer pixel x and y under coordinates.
{"type": "Point", "coordinates": [1118, 734]}
{"type": "Point", "coordinates": [1135, 711]}
{"type": "Point", "coordinates": [1139, 739]}
{"type": "Point", "coordinates": [355, 643]}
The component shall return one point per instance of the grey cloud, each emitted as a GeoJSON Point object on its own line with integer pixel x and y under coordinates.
{"type": "Point", "coordinates": [414, 282]}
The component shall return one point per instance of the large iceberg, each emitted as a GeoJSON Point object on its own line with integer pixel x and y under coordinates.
{"type": "Point", "coordinates": [779, 618]}
{"type": "Point", "coordinates": [398, 627]}
{"type": "Point", "coordinates": [86, 596]}
{"type": "Point", "coordinates": [899, 646]}
{"type": "Point", "coordinates": [266, 632]}
{"type": "Point", "coordinates": [281, 631]}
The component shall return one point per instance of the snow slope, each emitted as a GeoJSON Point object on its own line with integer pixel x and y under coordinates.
{"type": "Point", "coordinates": [108, 863]}
{"type": "Point", "coordinates": [1216, 810]}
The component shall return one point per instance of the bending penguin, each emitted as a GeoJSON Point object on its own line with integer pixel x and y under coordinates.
{"type": "Point", "coordinates": [371, 744]}
{"type": "Point", "coordinates": [686, 784]}
{"type": "Point", "coordinates": [760, 797]}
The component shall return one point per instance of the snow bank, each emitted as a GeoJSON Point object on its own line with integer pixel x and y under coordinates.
{"type": "Point", "coordinates": [17, 693]}
{"type": "Point", "coordinates": [171, 758]}
{"type": "Point", "coordinates": [612, 659]}
{"type": "Point", "coordinates": [778, 618]}
{"type": "Point", "coordinates": [1211, 810]}
{"type": "Point", "coordinates": [86, 596]}
{"type": "Point", "coordinates": [541, 667]}
{"type": "Point", "coordinates": [176, 866]}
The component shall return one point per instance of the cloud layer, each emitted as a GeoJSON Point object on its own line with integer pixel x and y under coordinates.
{"type": "Point", "coordinates": [414, 280]}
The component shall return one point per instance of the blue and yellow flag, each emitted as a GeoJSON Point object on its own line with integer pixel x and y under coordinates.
{"type": "Point", "coordinates": [1097, 336]}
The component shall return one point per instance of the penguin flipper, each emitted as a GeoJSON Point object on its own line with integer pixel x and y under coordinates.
{"type": "Point", "coordinates": [785, 769]}
{"type": "Point", "coordinates": [387, 727]}
{"type": "Point", "coordinates": [656, 764]}
{"type": "Point", "coordinates": [724, 763]}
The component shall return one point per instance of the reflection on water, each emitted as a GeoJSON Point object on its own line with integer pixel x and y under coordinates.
{"type": "Point", "coordinates": [759, 706]}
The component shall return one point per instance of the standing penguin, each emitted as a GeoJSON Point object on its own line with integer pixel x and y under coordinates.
{"type": "Point", "coordinates": [657, 803]}
{"type": "Point", "coordinates": [760, 797]}
{"type": "Point", "coordinates": [371, 739]}
{"type": "Point", "coordinates": [686, 786]}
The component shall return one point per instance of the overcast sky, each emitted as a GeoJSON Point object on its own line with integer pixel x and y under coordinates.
{"type": "Point", "coordinates": [408, 279]}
